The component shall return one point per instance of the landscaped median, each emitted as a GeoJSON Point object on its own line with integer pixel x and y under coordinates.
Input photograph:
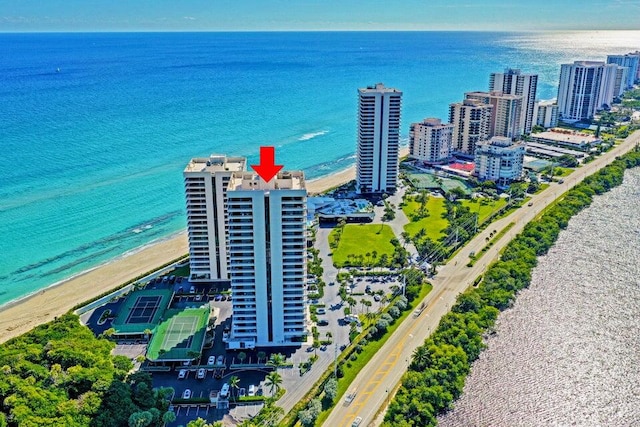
{"type": "Point", "coordinates": [439, 367]}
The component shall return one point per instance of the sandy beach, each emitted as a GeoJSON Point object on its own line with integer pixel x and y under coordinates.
{"type": "Point", "coordinates": [23, 315]}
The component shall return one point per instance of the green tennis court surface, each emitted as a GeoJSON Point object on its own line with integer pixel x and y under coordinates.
{"type": "Point", "coordinates": [141, 310]}
{"type": "Point", "coordinates": [180, 336]}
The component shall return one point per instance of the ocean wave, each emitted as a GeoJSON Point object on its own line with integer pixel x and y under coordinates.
{"type": "Point", "coordinates": [311, 135]}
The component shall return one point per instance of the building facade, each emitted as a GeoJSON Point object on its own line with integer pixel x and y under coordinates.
{"type": "Point", "coordinates": [205, 182]}
{"type": "Point", "coordinates": [499, 160]}
{"type": "Point", "coordinates": [267, 259]}
{"type": "Point", "coordinates": [505, 115]}
{"type": "Point", "coordinates": [471, 120]}
{"type": "Point", "coordinates": [632, 62]}
{"type": "Point", "coordinates": [378, 139]}
{"type": "Point", "coordinates": [430, 141]}
{"type": "Point", "coordinates": [546, 114]}
{"type": "Point", "coordinates": [513, 82]}
{"type": "Point", "coordinates": [620, 84]}
{"type": "Point", "coordinates": [585, 88]}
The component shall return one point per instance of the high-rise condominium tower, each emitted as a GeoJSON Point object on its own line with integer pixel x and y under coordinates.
{"type": "Point", "coordinates": [505, 115]}
{"type": "Point", "coordinates": [267, 259]}
{"type": "Point", "coordinates": [471, 120]}
{"type": "Point", "coordinates": [585, 87]}
{"type": "Point", "coordinates": [499, 160]}
{"type": "Point", "coordinates": [205, 182]}
{"type": "Point", "coordinates": [514, 83]}
{"type": "Point", "coordinates": [632, 62]}
{"type": "Point", "coordinates": [430, 141]}
{"type": "Point", "coordinates": [378, 139]}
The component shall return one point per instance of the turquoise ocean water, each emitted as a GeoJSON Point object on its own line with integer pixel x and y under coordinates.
{"type": "Point", "coordinates": [95, 129]}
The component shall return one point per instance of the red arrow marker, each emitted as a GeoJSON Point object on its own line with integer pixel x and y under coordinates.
{"type": "Point", "coordinates": [267, 168]}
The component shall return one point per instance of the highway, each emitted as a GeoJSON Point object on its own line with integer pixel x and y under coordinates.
{"type": "Point", "coordinates": [377, 380]}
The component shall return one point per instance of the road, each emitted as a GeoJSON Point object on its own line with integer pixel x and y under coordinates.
{"type": "Point", "coordinates": [382, 374]}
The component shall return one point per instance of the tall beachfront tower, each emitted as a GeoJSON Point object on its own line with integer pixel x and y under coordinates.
{"type": "Point", "coordinates": [585, 87]}
{"type": "Point", "coordinates": [513, 82]}
{"type": "Point", "coordinates": [205, 182]}
{"type": "Point", "coordinates": [378, 139]}
{"type": "Point", "coordinates": [471, 120]}
{"type": "Point", "coordinates": [505, 115]}
{"type": "Point", "coordinates": [430, 141]}
{"type": "Point", "coordinates": [267, 258]}
{"type": "Point", "coordinates": [631, 61]}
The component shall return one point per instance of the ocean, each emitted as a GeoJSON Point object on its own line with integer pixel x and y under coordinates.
{"type": "Point", "coordinates": [96, 128]}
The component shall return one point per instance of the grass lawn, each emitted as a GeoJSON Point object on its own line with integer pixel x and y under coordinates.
{"type": "Point", "coordinates": [434, 224]}
{"type": "Point", "coordinates": [487, 206]}
{"type": "Point", "coordinates": [360, 239]}
{"type": "Point", "coordinates": [562, 171]}
{"type": "Point", "coordinates": [541, 188]}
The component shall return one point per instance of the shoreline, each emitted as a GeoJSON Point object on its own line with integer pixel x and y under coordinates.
{"type": "Point", "coordinates": [23, 314]}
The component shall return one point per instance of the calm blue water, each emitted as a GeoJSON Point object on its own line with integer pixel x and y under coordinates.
{"type": "Point", "coordinates": [92, 155]}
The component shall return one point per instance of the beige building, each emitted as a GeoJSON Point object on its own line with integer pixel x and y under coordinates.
{"type": "Point", "coordinates": [471, 120]}
{"type": "Point", "coordinates": [205, 182]}
{"type": "Point", "coordinates": [513, 82]}
{"type": "Point", "coordinates": [499, 160]}
{"type": "Point", "coordinates": [505, 115]}
{"type": "Point", "coordinates": [430, 141]}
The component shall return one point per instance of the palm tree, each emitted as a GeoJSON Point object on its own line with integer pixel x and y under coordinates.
{"type": "Point", "coordinates": [273, 381]}
{"type": "Point", "coordinates": [277, 360]}
{"type": "Point", "coordinates": [329, 335]}
{"type": "Point", "coordinates": [316, 346]}
{"type": "Point", "coordinates": [234, 382]}
{"type": "Point", "coordinates": [420, 357]}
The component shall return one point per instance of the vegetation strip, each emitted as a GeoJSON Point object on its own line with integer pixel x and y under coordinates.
{"type": "Point", "coordinates": [439, 367]}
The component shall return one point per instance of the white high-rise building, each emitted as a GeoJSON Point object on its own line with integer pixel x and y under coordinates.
{"type": "Point", "coordinates": [267, 259]}
{"type": "Point", "coordinates": [499, 160]}
{"type": "Point", "coordinates": [546, 114]}
{"type": "Point", "coordinates": [471, 120]}
{"type": "Point", "coordinates": [430, 141]}
{"type": "Point", "coordinates": [378, 139]}
{"type": "Point", "coordinates": [205, 182]}
{"type": "Point", "coordinates": [621, 81]}
{"type": "Point", "coordinates": [514, 83]}
{"type": "Point", "coordinates": [505, 115]}
{"type": "Point", "coordinates": [585, 87]}
{"type": "Point", "coordinates": [632, 62]}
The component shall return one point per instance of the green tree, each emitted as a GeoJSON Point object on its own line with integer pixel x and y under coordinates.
{"type": "Point", "coordinates": [273, 382]}
{"type": "Point", "coordinates": [261, 356]}
{"type": "Point", "coordinates": [242, 356]}
{"type": "Point", "coordinates": [234, 383]}
{"type": "Point", "coordinates": [140, 419]}
{"type": "Point", "coordinates": [168, 417]}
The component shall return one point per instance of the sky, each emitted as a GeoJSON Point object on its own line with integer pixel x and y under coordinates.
{"type": "Point", "coordinates": [287, 15]}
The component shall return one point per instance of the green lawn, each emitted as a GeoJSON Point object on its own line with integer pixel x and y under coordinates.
{"type": "Point", "coordinates": [360, 239]}
{"type": "Point", "coordinates": [562, 171]}
{"type": "Point", "coordinates": [434, 224]}
{"type": "Point", "coordinates": [487, 206]}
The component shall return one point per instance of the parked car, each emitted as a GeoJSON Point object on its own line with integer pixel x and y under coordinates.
{"type": "Point", "coordinates": [321, 310]}
{"type": "Point", "coordinates": [211, 360]}
{"type": "Point", "coordinates": [242, 392]}
{"type": "Point", "coordinates": [202, 373]}
{"type": "Point", "coordinates": [323, 322]}
{"type": "Point", "coordinates": [218, 298]}
{"type": "Point", "coordinates": [182, 374]}
{"type": "Point", "coordinates": [186, 394]}
{"type": "Point", "coordinates": [220, 360]}
{"type": "Point", "coordinates": [192, 290]}
{"type": "Point", "coordinates": [376, 298]}
{"type": "Point", "coordinates": [224, 391]}
{"type": "Point", "coordinates": [252, 390]}
{"type": "Point", "coordinates": [198, 297]}
{"type": "Point", "coordinates": [217, 374]}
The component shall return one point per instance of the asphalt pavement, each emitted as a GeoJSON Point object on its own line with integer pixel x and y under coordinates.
{"type": "Point", "coordinates": [377, 380]}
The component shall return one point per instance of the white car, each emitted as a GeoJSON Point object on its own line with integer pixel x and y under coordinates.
{"type": "Point", "coordinates": [202, 373]}
{"type": "Point", "coordinates": [211, 360]}
{"type": "Point", "coordinates": [220, 360]}
{"type": "Point", "coordinates": [252, 390]}
{"type": "Point", "coordinates": [182, 374]}
{"type": "Point", "coordinates": [186, 394]}
{"type": "Point", "coordinates": [356, 422]}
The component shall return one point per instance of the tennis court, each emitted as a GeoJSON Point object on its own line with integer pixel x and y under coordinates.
{"type": "Point", "coordinates": [142, 309]}
{"type": "Point", "coordinates": [180, 335]}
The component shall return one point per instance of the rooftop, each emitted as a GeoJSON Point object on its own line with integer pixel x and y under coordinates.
{"type": "Point", "coordinates": [378, 87]}
{"type": "Point", "coordinates": [501, 95]}
{"type": "Point", "coordinates": [216, 163]}
{"type": "Point", "coordinates": [566, 136]}
{"type": "Point", "coordinates": [285, 180]}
